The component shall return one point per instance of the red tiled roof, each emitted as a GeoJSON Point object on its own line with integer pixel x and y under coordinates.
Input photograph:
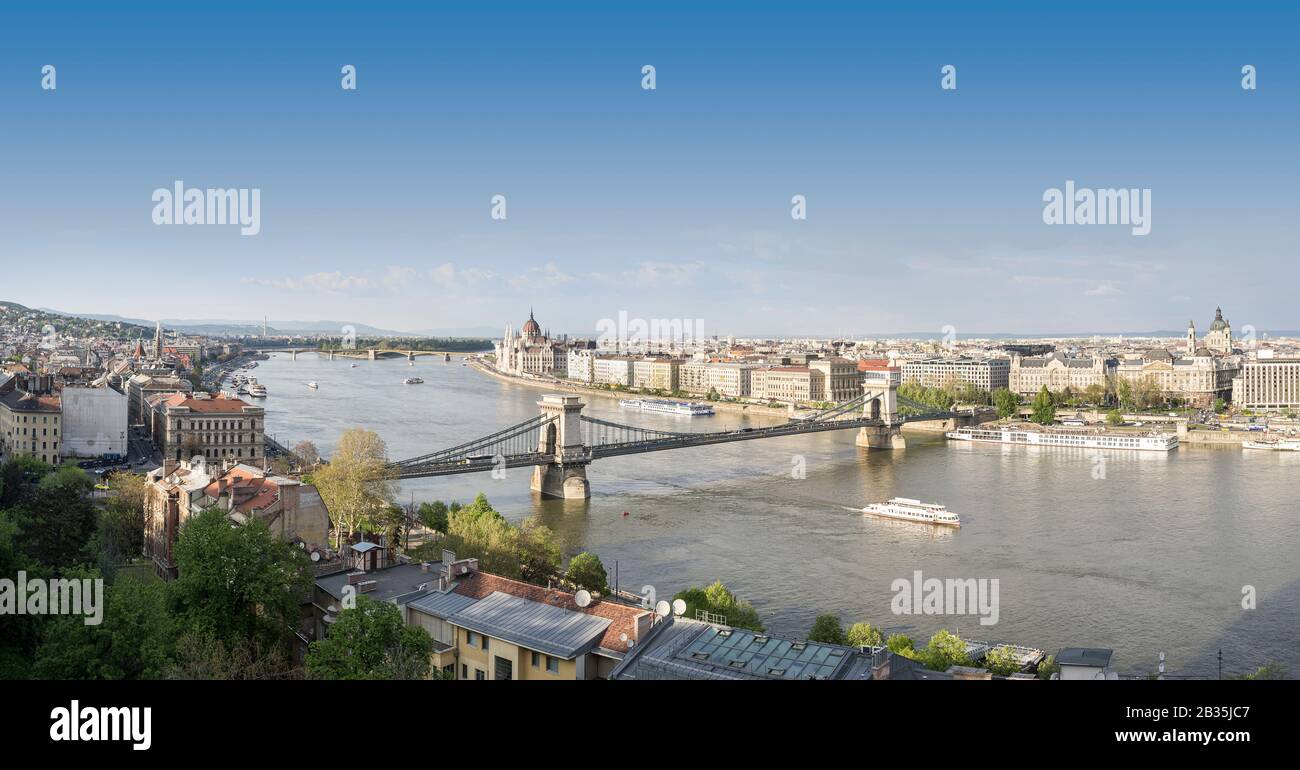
{"type": "Point", "coordinates": [480, 584]}
{"type": "Point", "coordinates": [217, 405]}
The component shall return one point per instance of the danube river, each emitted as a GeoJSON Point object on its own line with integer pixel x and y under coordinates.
{"type": "Point", "coordinates": [1141, 552]}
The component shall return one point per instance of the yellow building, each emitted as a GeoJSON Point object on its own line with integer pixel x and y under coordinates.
{"type": "Point", "coordinates": [488, 627]}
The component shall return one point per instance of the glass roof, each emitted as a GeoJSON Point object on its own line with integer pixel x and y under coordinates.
{"type": "Point", "coordinates": [762, 655]}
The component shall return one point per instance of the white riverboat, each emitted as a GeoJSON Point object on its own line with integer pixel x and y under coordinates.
{"type": "Point", "coordinates": [257, 389]}
{"type": "Point", "coordinates": [1079, 438]}
{"type": "Point", "coordinates": [412, 381]}
{"type": "Point", "coordinates": [313, 385]}
{"type": "Point", "coordinates": [1275, 444]}
{"type": "Point", "coordinates": [908, 509]}
{"type": "Point", "coordinates": [661, 406]}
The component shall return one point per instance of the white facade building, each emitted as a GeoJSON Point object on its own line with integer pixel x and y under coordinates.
{"type": "Point", "coordinates": [94, 423]}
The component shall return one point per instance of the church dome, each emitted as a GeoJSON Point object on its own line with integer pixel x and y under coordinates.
{"type": "Point", "coordinates": [531, 327]}
{"type": "Point", "coordinates": [1219, 324]}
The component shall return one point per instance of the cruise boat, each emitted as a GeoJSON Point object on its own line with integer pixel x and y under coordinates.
{"type": "Point", "coordinates": [667, 407]}
{"type": "Point", "coordinates": [1276, 444]}
{"type": "Point", "coordinates": [257, 390]}
{"type": "Point", "coordinates": [412, 381]}
{"type": "Point", "coordinates": [313, 385]}
{"type": "Point", "coordinates": [908, 509]}
{"type": "Point", "coordinates": [1079, 438]}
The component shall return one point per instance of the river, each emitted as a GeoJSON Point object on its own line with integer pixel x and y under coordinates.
{"type": "Point", "coordinates": [1142, 553]}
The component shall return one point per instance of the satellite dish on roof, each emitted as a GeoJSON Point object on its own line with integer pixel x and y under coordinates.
{"type": "Point", "coordinates": [662, 609]}
{"type": "Point", "coordinates": [315, 555]}
{"type": "Point", "coordinates": [679, 607]}
{"type": "Point", "coordinates": [623, 637]}
{"type": "Point", "coordinates": [583, 597]}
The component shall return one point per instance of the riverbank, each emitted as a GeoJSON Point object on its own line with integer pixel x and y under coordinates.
{"type": "Point", "coordinates": [554, 386]}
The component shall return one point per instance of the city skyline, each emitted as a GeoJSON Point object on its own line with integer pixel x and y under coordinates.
{"type": "Point", "coordinates": [924, 206]}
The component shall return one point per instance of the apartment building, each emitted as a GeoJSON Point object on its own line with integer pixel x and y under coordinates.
{"type": "Point", "coordinates": [581, 365]}
{"type": "Point", "coordinates": [656, 373]}
{"type": "Point", "coordinates": [141, 386]}
{"type": "Point", "coordinates": [731, 380]}
{"type": "Point", "coordinates": [293, 511]}
{"type": "Point", "coordinates": [489, 627]}
{"type": "Point", "coordinates": [612, 370]}
{"type": "Point", "coordinates": [788, 384]}
{"type": "Point", "coordinates": [1270, 384]}
{"type": "Point", "coordinates": [215, 428]}
{"type": "Point", "coordinates": [31, 424]}
{"type": "Point", "coordinates": [985, 374]}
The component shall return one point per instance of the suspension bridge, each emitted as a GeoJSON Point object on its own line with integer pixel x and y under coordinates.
{"type": "Point", "coordinates": [560, 442]}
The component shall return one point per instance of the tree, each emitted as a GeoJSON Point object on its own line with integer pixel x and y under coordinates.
{"type": "Point", "coordinates": [203, 656]}
{"type": "Point", "coordinates": [1001, 660]}
{"type": "Point", "coordinates": [307, 454]}
{"type": "Point", "coordinates": [1266, 671]}
{"type": "Point", "coordinates": [586, 571]}
{"type": "Point", "coordinates": [1220, 405]}
{"type": "Point", "coordinates": [121, 523]}
{"type": "Point", "coordinates": [901, 644]}
{"type": "Point", "coordinates": [864, 635]}
{"type": "Point", "coordinates": [1048, 666]}
{"type": "Point", "coordinates": [1096, 394]}
{"type": "Point", "coordinates": [237, 582]}
{"type": "Point", "coordinates": [1124, 394]}
{"type": "Point", "coordinates": [1114, 418]}
{"type": "Point", "coordinates": [944, 651]}
{"type": "Point", "coordinates": [827, 629]}
{"type": "Point", "coordinates": [357, 484]}
{"type": "Point", "coordinates": [1044, 408]}
{"type": "Point", "coordinates": [369, 641]}
{"type": "Point", "coordinates": [57, 519]}
{"type": "Point", "coordinates": [718, 600]}
{"type": "Point", "coordinates": [135, 639]}
{"type": "Point", "coordinates": [434, 515]}
{"type": "Point", "coordinates": [538, 551]}
{"type": "Point", "coordinates": [1007, 403]}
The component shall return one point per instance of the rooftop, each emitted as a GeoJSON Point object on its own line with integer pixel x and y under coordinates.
{"type": "Point", "coordinates": [1084, 656]}
{"type": "Point", "coordinates": [542, 627]}
{"type": "Point", "coordinates": [391, 583]}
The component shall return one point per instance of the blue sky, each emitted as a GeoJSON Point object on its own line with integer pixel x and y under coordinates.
{"type": "Point", "coordinates": [924, 205]}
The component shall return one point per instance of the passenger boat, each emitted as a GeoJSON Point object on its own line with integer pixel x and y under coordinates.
{"type": "Point", "coordinates": [1275, 444]}
{"type": "Point", "coordinates": [412, 381]}
{"type": "Point", "coordinates": [1080, 438]}
{"type": "Point", "coordinates": [908, 509]}
{"type": "Point", "coordinates": [257, 390]}
{"type": "Point", "coordinates": [667, 407]}
{"type": "Point", "coordinates": [312, 385]}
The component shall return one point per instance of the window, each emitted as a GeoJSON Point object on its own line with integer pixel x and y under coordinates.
{"type": "Point", "coordinates": [464, 671]}
{"type": "Point", "coordinates": [552, 664]}
{"type": "Point", "coordinates": [471, 638]}
{"type": "Point", "coordinates": [536, 659]}
{"type": "Point", "coordinates": [479, 675]}
{"type": "Point", "coordinates": [485, 641]}
{"type": "Point", "coordinates": [504, 668]}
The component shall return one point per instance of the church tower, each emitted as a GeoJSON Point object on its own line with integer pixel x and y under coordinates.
{"type": "Point", "coordinates": [158, 342]}
{"type": "Point", "coordinates": [1191, 339]}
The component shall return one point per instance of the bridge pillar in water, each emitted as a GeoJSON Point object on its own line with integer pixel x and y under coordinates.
{"type": "Point", "coordinates": [371, 353]}
{"type": "Point", "coordinates": [881, 404]}
{"type": "Point", "coordinates": [293, 355]}
{"type": "Point", "coordinates": [566, 475]}
{"type": "Point", "coordinates": [410, 355]}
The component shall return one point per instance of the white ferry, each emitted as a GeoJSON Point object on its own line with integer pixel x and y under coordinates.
{"type": "Point", "coordinates": [667, 407]}
{"type": "Point", "coordinates": [257, 390]}
{"type": "Point", "coordinates": [1277, 444]}
{"type": "Point", "coordinates": [1081, 438]}
{"type": "Point", "coordinates": [412, 381]}
{"type": "Point", "coordinates": [914, 510]}
{"type": "Point", "coordinates": [313, 385]}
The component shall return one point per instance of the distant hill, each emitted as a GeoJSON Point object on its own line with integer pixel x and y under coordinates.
{"type": "Point", "coordinates": [77, 325]}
